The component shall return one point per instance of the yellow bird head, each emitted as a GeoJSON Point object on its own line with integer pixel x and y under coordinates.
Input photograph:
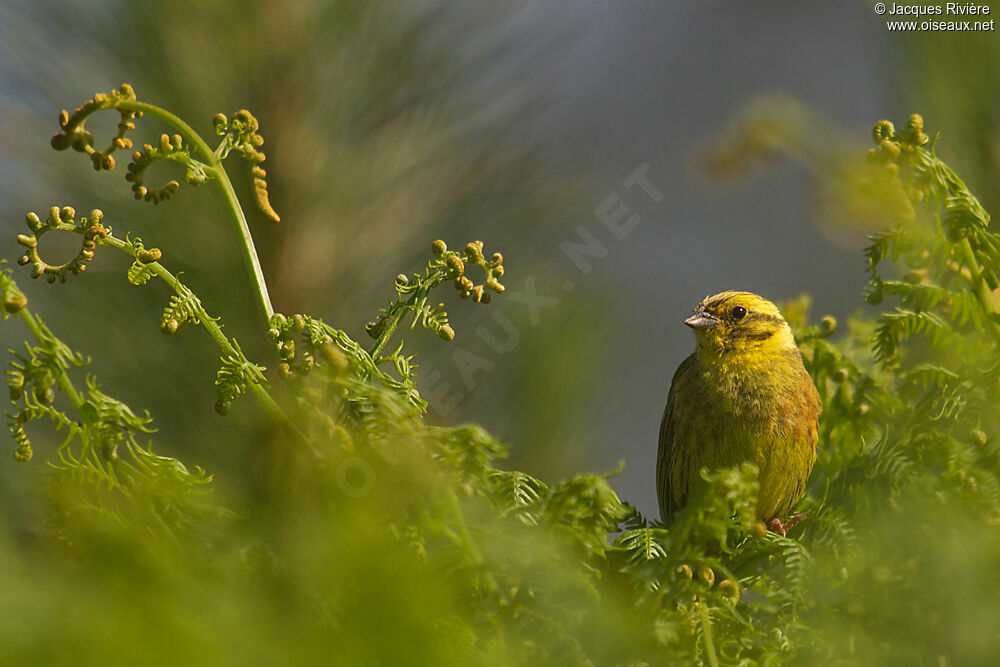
{"type": "Point", "coordinates": [739, 323]}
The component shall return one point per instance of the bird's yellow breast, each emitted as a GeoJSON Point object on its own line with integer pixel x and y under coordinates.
{"type": "Point", "coordinates": [744, 395]}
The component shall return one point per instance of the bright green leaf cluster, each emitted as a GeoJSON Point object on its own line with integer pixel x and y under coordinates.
{"type": "Point", "coordinates": [386, 521]}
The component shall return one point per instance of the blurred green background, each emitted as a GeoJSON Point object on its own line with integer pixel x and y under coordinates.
{"type": "Point", "coordinates": [388, 125]}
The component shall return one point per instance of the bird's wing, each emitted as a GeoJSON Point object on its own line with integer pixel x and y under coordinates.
{"type": "Point", "coordinates": [668, 449]}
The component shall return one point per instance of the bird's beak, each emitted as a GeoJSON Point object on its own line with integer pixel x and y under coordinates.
{"type": "Point", "coordinates": [701, 320]}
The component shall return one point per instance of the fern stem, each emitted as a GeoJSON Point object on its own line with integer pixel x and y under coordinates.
{"type": "Point", "coordinates": [215, 331]}
{"type": "Point", "coordinates": [170, 119]}
{"type": "Point", "coordinates": [282, 417]}
{"type": "Point", "coordinates": [465, 541]}
{"type": "Point", "coordinates": [43, 336]}
{"type": "Point", "coordinates": [982, 291]}
{"type": "Point", "coordinates": [249, 250]}
{"type": "Point", "coordinates": [706, 633]}
{"type": "Point", "coordinates": [228, 193]}
{"type": "Point", "coordinates": [390, 329]}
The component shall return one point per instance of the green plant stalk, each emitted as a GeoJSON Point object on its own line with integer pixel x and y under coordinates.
{"type": "Point", "coordinates": [400, 309]}
{"type": "Point", "coordinates": [982, 292]}
{"type": "Point", "coordinates": [228, 193]}
{"type": "Point", "coordinates": [36, 328]}
{"type": "Point", "coordinates": [390, 329]}
{"type": "Point", "coordinates": [215, 331]}
{"type": "Point", "coordinates": [464, 540]}
{"type": "Point", "coordinates": [706, 633]}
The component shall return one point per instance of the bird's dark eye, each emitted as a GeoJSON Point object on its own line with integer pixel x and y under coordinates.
{"type": "Point", "coordinates": [738, 312]}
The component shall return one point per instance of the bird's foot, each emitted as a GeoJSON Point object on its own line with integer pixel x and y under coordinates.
{"type": "Point", "coordinates": [782, 529]}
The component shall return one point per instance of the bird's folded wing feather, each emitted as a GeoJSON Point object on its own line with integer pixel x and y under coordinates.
{"type": "Point", "coordinates": [668, 447]}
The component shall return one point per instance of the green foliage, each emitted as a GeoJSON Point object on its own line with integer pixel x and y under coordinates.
{"type": "Point", "coordinates": [103, 474]}
{"type": "Point", "coordinates": [388, 540]}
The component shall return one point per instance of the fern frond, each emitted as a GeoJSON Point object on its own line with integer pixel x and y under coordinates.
{"type": "Point", "coordinates": [235, 376]}
{"type": "Point", "coordinates": [902, 324]}
{"type": "Point", "coordinates": [139, 273]}
{"type": "Point", "coordinates": [517, 493]}
{"type": "Point", "coordinates": [182, 308]}
{"type": "Point", "coordinates": [643, 544]}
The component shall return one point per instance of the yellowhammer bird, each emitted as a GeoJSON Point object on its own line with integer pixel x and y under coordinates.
{"type": "Point", "coordinates": [743, 395]}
